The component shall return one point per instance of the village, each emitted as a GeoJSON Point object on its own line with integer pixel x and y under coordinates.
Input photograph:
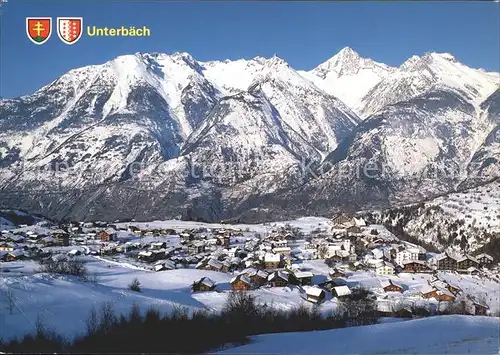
{"type": "Point", "coordinates": [403, 276]}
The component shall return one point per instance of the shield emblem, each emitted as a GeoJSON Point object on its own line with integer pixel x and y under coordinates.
{"type": "Point", "coordinates": [69, 29]}
{"type": "Point", "coordinates": [38, 29]}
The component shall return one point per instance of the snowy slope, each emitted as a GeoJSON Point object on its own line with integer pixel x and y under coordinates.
{"type": "Point", "coordinates": [465, 220]}
{"type": "Point", "coordinates": [58, 299]}
{"type": "Point", "coordinates": [64, 302]}
{"type": "Point", "coordinates": [99, 119]}
{"type": "Point", "coordinates": [437, 335]}
{"type": "Point", "coordinates": [409, 151]}
{"type": "Point", "coordinates": [308, 111]}
{"type": "Point", "coordinates": [430, 72]}
{"type": "Point", "coordinates": [243, 149]}
{"type": "Point", "coordinates": [485, 162]}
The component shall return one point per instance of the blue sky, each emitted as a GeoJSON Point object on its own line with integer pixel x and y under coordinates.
{"type": "Point", "coordinates": [304, 34]}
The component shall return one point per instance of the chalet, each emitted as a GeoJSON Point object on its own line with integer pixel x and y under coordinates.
{"type": "Point", "coordinates": [310, 246]}
{"type": "Point", "coordinates": [446, 262]}
{"type": "Point", "coordinates": [439, 294]}
{"type": "Point", "coordinates": [239, 253]}
{"type": "Point", "coordinates": [360, 222]}
{"type": "Point", "coordinates": [226, 265]}
{"type": "Point", "coordinates": [473, 271]}
{"type": "Point", "coordinates": [223, 240]}
{"type": "Point", "coordinates": [454, 289]}
{"type": "Point", "coordinates": [335, 273]}
{"type": "Point", "coordinates": [164, 265]}
{"type": "Point", "coordinates": [16, 238]}
{"type": "Point", "coordinates": [272, 261]}
{"type": "Point", "coordinates": [466, 262]}
{"type": "Point", "coordinates": [341, 291]}
{"type": "Point", "coordinates": [133, 229]}
{"type": "Point", "coordinates": [74, 252]}
{"type": "Point", "coordinates": [196, 247]}
{"type": "Point", "coordinates": [287, 261]}
{"type": "Point", "coordinates": [314, 294]}
{"type": "Point", "coordinates": [385, 268]}
{"type": "Point", "coordinates": [158, 254]}
{"type": "Point", "coordinates": [111, 249]}
{"type": "Point", "coordinates": [484, 259]}
{"type": "Point", "coordinates": [158, 245]}
{"type": "Point", "coordinates": [15, 255]}
{"type": "Point", "coordinates": [389, 286]}
{"type": "Point", "coordinates": [241, 282]}
{"type": "Point", "coordinates": [105, 236]}
{"type": "Point", "coordinates": [203, 285]}
{"type": "Point", "coordinates": [353, 229]}
{"type": "Point", "coordinates": [333, 258]}
{"type": "Point", "coordinates": [377, 253]}
{"type": "Point", "coordinates": [283, 243]}
{"type": "Point", "coordinates": [60, 237]}
{"type": "Point", "coordinates": [211, 241]}
{"type": "Point", "coordinates": [187, 236]}
{"type": "Point", "coordinates": [340, 219]}
{"type": "Point", "coordinates": [403, 312]}
{"type": "Point", "coordinates": [75, 230]}
{"type": "Point", "coordinates": [329, 284]}
{"type": "Point", "coordinates": [282, 250]}
{"type": "Point", "coordinates": [48, 241]}
{"type": "Point", "coordinates": [405, 255]}
{"type": "Point", "coordinates": [213, 265]}
{"type": "Point", "coordinates": [479, 308]}
{"type": "Point", "coordinates": [33, 238]}
{"type": "Point", "coordinates": [3, 255]}
{"type": "Point", "coordinates": [415, 266]}
{"type": "Point", "coordinates": [278, 279]}
{"type": "Point", "coordinates": [259, 278]}
{"type": "Point", "coordinates": [7, 246]}
{"type": "Point", "coordinates": [145, 255]}
{"type": "Point", "coordinates": [304, 277]}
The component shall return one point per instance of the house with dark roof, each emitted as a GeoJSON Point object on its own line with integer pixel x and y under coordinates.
{"type": "Point", "coordinates": [203, 285]}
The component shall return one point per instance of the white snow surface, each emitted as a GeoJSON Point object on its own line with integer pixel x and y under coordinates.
{"type": "Point", "coordinates": [64, 302]}
{"type": "Point", "coordinates": [436, 335]}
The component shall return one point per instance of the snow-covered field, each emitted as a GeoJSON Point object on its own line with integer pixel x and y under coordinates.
{"type": "Point", "coordinates": [436, 335]}
{"type": "Point", "coordinates": [63, 303]}
{"type": "Point", "coordinates": [306, 224]}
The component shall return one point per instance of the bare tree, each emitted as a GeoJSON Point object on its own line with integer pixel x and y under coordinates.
{"type": "Point", "coordinates": [92, 322]}
{"type": "Point", "coordinates": [323, 251]}
{"type": "Point", "coordinates": [9, 296]}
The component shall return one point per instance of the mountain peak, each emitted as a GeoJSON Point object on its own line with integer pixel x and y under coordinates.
{"type": "Point", "coordinates": [428, 60]}
{"type": "Point", "coordinates": [347, 53]}
{"type": "Point", "coordinates": [345, 57]}
{"type": "Point", "coordinates": [437, 56]}
{"type": "Point", "coordinates": [348, 62]}
{"type": "Point", "coordinates": [276, 61]}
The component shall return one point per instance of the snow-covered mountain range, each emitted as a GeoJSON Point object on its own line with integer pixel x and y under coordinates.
{"type": "Point", "coordinates": [154, 135]}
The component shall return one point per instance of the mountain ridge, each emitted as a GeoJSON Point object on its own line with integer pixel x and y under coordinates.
{"type": "Point", "coordinates": [151, 112]}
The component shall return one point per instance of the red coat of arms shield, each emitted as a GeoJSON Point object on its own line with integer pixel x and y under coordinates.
{"type": "Point", "coordinates": [38, 29]}
{"type": "Point", "coordinates": [69, 29]}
